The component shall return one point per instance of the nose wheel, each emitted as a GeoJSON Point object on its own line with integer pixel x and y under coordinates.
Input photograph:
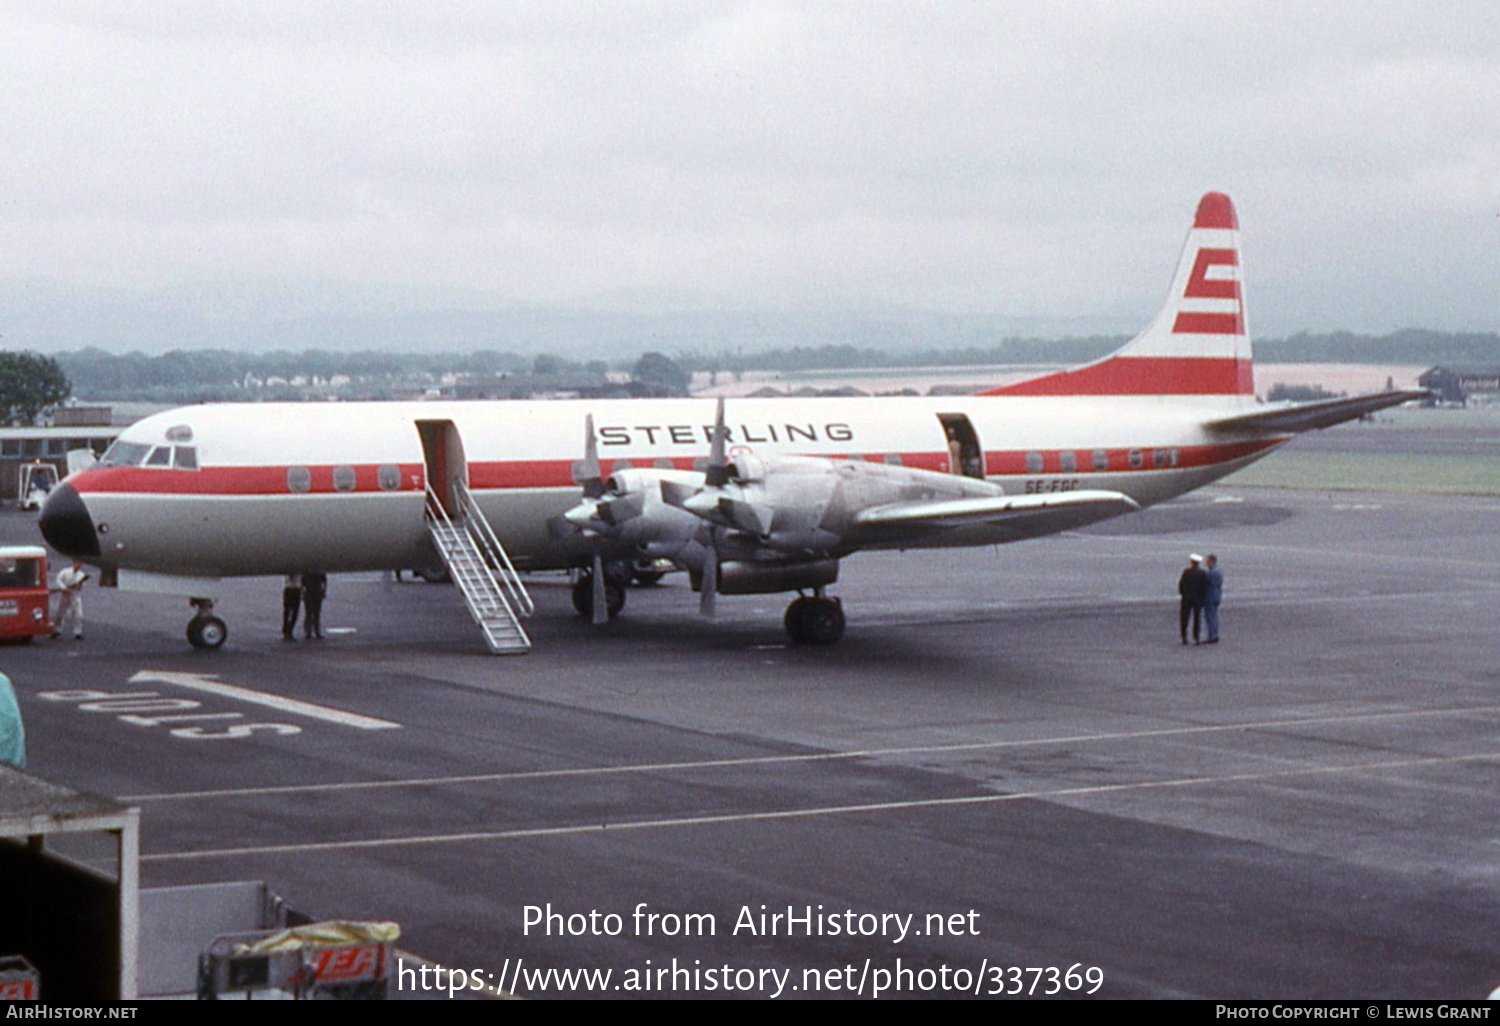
{"type": "Point", "coordinates": [206, 630]}
{"type": "Point", "coordinates": [815, 620]}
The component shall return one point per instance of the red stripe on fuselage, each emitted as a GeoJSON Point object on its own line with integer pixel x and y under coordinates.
{"type": "Point", "coordinates": [1144, 375]}
{"type": "Point", "coordinates": [237, 480]}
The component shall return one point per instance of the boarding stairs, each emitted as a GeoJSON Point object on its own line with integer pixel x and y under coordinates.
{"type": "Point", "coordinates": [481, 570]}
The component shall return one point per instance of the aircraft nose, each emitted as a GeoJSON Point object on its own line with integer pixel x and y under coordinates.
{"type": "Point", "coordinates": [66, 524]}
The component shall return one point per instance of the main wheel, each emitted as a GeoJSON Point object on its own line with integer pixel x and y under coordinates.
{"type": "Point", "coordinates": [815, 621]}
{"type": "Point", "coordinates": [793, 619]}
{"type": "Point", "coordinates": [583, 594]}
{"type": "Point", "coordinates": [206, 632]}
{"type": "Point", "coordinates": [823, 622]}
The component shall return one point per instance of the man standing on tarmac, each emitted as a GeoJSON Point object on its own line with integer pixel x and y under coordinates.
{"type": "Point", "coordinates": [70, 600]}
{"type": "Point", "coordinates": [1192, 586]}
{"type": "Point", "coordinates": [291, 606]}
{"type": "Point", "coordinates": [314, 590]}
{"type": "Point", "coordinates": [1212, 598]}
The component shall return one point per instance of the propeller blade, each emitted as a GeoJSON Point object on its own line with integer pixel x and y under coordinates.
{"type": "Point", "coordinates": [617, 510]}
{"type": "Point", "coordinates": [586, 472]}
{"type": "Point", "coordinates": [675, 493]}
{"type": "Point", "coordinates": [601, 593]}
{"type": "Point", "coordinates": [709, 588]}
{"type": "Point", "coordinates": [718, 469]}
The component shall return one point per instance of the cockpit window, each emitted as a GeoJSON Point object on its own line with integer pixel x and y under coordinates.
{"type": "Point", "coordinates": [125, 454]}
{"type": "Point", "coordinates": [138, 454]}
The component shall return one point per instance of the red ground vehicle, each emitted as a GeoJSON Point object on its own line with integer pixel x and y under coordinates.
{"type": "Point", "coordinates": [25, 604]}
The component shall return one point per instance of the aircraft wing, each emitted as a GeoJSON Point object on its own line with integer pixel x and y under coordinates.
{"type": "Point", "coordinates": [1295, 417]}
{"type": "Point", "coordinates": [984, 519]}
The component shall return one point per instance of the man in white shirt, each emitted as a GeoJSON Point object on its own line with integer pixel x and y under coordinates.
{"type": "Point", "coordinates": [70, 600]}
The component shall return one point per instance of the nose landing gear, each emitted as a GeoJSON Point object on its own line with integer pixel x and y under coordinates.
{"type": "Point", "coordinates": [206, 630]}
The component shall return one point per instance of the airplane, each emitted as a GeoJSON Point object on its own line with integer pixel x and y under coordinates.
{"type": "Point", "coordinates": [750, 496]}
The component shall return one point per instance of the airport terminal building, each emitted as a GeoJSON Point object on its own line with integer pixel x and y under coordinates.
{"type": "Point", "coordinates": [72, 428]}
{"type": "Point", "coordinates": [1461, 385]}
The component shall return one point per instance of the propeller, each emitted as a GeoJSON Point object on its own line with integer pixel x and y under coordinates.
{"type": "Point", "coordinates": [721, 503]}
{"type": "Point", "coordinates": [715, 475]}
{"type": "Point", "coordinates": [593, 516]}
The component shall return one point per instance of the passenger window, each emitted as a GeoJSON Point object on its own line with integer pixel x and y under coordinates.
{"type": "Point", "coordinates": [1137, 459]}
{"type": "Point", "coordinates": [161, 456]}
{"type": "Point", "coordinates": [1034, 463]}
{"type": "Point", "coordinates": [662, 463]}
{"type": "Point", "coordinates": [893, 458]}
{"type": "Point", "coordinates": [1069, 461]}
{"type": "Point", "coordinates": [298, 479]}
{"type": "Point", "coordinates": [389, 478]}
{"type": "Point", "coordinates": [185, 457]}
{"type": "Point", "coordinates": [343, 479]}
{"type": "Point", "coordinates": [1101, 459]}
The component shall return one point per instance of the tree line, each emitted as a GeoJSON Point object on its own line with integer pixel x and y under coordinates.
{"type": "Point", "coordinates": [30, 383]}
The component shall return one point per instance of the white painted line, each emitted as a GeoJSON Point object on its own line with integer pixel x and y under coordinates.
{"type": "Point", "coordinates": [786, 814]}
{"type": "Point", "coordinates": [206, 683]}
{"type": "Point", "coordinates": [807, 757]}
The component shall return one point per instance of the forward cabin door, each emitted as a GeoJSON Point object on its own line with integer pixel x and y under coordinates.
{"type": "Point", "coordinates": [443, 451]}
{"type": "Point", "coordinates": [965, 455]}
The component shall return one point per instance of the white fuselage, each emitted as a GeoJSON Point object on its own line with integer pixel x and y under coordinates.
{"type": "Point", "coordinates": [289, 488]}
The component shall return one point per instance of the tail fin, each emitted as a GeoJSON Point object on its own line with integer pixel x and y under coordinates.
{"type": "Point", "coordinates": [1196, 346]}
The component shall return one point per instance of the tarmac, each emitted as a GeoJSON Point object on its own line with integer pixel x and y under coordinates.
{"type": "Point", "coordinates": [1009, 776]}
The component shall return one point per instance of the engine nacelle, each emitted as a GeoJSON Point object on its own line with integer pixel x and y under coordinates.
{"type": "Point", "coordinates": [744, 577]}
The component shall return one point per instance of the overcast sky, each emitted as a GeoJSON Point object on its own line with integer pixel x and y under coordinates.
{"type": "Point", "coordinates": [1036, 160]}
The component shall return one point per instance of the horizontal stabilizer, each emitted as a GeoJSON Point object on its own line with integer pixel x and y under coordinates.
{"type": "Point", "coordinates": [997, 518]}
{"type": "Point", "coordinates": [1295, 417]}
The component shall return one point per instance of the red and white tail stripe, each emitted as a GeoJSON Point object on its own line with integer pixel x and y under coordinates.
{"type": "Point", "coordinates": [1197, 345]}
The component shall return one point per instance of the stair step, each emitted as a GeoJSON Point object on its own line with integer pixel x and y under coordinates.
{"type": "Point", "coordinates": [474, 574]}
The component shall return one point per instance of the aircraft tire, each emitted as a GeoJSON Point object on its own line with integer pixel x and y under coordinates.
{"type": "Point", "coordinates": [207, 632]}
{"type": "Point", "coordinates": [815, 621]}
{"type": "Point", "coordinates": [793, 619]}
{"type": "Point", "coordinates": [823, 622]}
{"type": "Point", "coordinates": [583, 594]}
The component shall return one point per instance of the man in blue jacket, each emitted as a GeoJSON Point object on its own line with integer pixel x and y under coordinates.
{"type": "Point", "coordinates": [1211, 599]}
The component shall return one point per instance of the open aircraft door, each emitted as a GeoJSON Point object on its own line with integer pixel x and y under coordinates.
{"type": "Point", "coordinates": [443, 452]}
{"type": "Point", "coordinates": [965, 456]}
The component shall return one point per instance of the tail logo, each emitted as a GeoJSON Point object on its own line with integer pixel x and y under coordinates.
{"type": "Point", "coordinates": [1215, 281]}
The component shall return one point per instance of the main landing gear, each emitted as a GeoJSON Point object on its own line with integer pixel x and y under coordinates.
{"type": "Point", "coordinates": [815, 619]}
{"type": "Point", "coordinates": [206, 630]}
{"type": "Point", "coordinates": [614, 591]}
